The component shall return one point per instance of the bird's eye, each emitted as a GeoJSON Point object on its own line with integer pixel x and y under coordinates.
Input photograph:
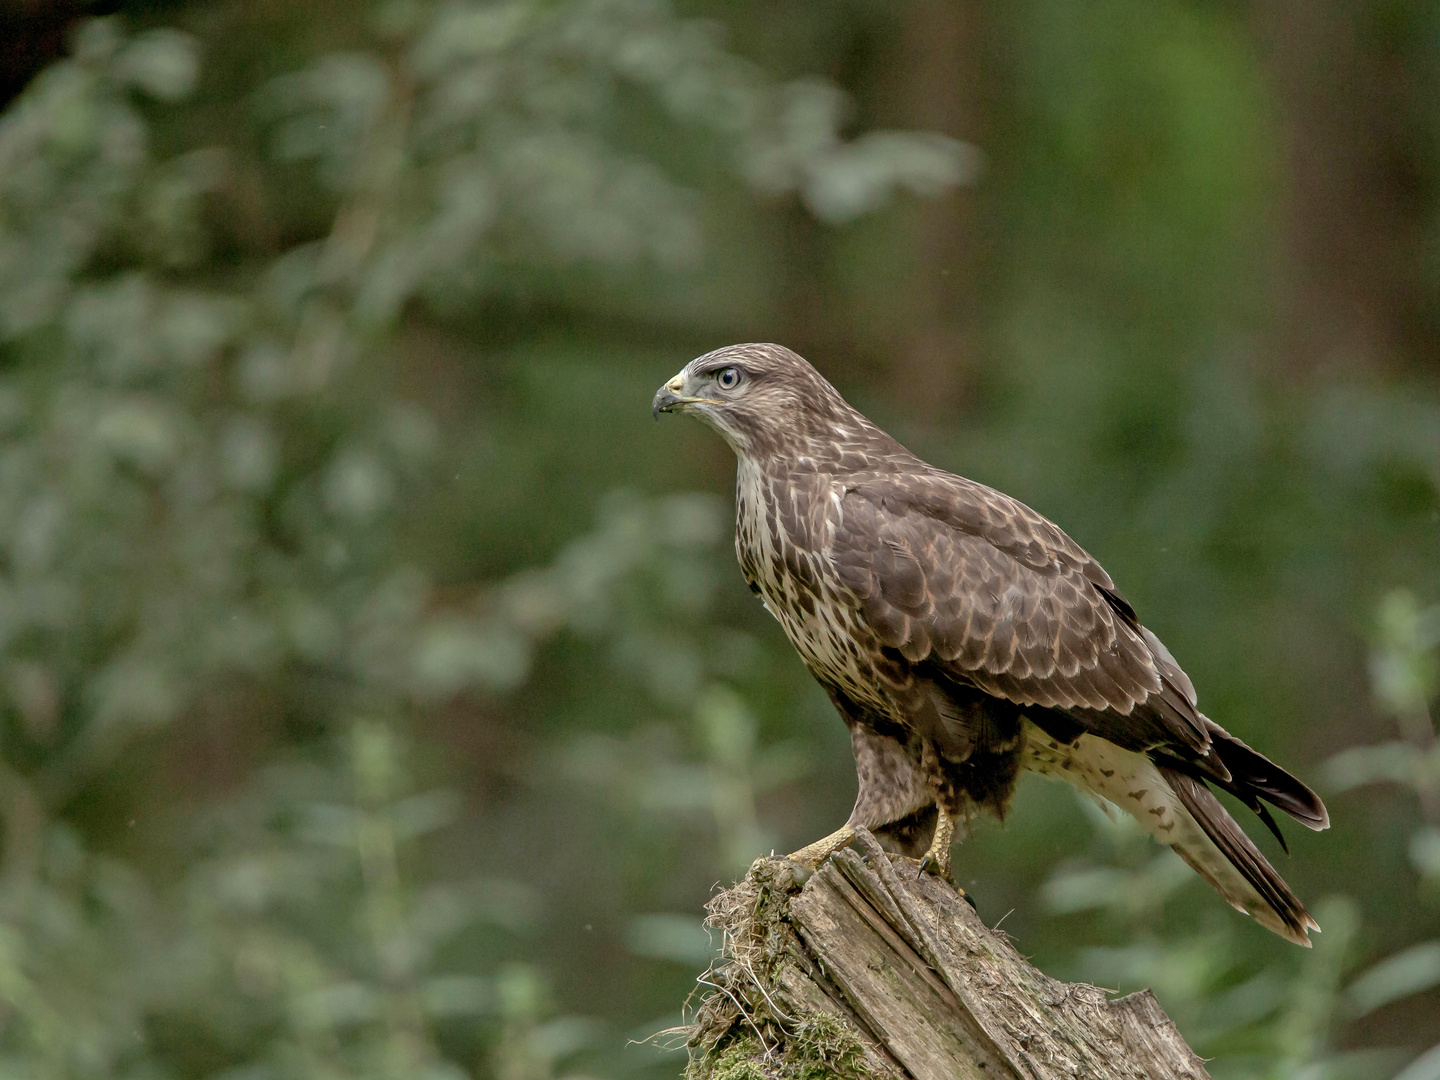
{"type": "Point", "coordinates": [728, 378]}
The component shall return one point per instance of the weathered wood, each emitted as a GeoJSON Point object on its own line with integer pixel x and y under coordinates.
{"type": "Point", "coordinates": [864, 973]}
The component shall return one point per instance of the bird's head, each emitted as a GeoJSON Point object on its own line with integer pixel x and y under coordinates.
{"type": "Point", "coordinates": [762, 398]}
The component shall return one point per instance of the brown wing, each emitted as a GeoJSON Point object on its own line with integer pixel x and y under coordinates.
{"type": "Point", "coordinates": [962, 577]}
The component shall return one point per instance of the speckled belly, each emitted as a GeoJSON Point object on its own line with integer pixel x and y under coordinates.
{"type": "Point", "coordinates": [832, 642]}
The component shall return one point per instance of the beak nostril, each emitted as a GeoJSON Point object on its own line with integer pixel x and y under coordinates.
{"type": "Point", "coordinates": [676, 383]}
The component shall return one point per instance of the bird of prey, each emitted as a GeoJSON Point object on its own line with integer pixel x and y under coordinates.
{"type": "Point", "coordinates": [963, 638]}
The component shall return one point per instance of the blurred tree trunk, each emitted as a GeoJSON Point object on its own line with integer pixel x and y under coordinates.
{"type": "Point", "coordinates": [939, 80]}
{"type": "Point", "coordinates": [866, 973]}
{"type": "Point", "coordinates": [917, 66]}
{"type": "Point", "coordinates": [1349, 274]}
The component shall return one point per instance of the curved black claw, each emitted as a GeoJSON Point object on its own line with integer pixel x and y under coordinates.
{"type": "Point", "coordinates": [931, 865]}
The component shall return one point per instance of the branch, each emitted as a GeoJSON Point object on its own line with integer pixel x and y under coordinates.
{"type": "Point", "coordinates": [869, 974]}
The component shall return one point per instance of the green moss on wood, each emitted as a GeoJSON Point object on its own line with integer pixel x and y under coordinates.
{"type": "Point", "coordinates": [817, 1047]}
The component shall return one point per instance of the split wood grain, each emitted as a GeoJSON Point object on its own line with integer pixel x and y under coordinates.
{"type": "Point", "coordinates": [908, 971]}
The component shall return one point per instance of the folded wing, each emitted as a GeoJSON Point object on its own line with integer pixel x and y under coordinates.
{"type": "Point", "coordinates": [989, 594]}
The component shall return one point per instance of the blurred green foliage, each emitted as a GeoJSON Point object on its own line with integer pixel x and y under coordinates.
{"type": "Point", "coordinates": [378, 696]}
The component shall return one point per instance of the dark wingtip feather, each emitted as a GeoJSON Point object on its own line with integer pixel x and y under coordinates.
{"type": "Point", "coordinates": [1256, 775]}
{"type": "Point", "coordinates": [1263, 813]}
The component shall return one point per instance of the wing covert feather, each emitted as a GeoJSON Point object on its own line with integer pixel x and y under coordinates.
{"type": "Point", "coordinates": [954, 573]}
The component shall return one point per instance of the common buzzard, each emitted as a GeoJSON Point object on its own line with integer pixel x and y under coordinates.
{"type": "Point", "coordinates": [963, 638]}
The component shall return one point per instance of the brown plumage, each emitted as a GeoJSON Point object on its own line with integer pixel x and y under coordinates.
{"type": "Point", "coordinates": [963, 637]}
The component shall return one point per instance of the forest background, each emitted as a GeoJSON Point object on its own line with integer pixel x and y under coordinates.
{"type": "Point", "coordinates": [378, 693]}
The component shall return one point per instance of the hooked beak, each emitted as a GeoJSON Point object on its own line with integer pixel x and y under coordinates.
{"type": "Point", "coordinates": [666, 400]}
{"type": "Point", "coordinates": [669, 398]}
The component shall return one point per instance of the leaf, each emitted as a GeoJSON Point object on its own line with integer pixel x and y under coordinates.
{"type": "Point", "coordinates": [135, 691]}
{"type": "Point", "coordinates": [1404, 668]}
{"type": "Point", "coordinates": [455, 654]}
{"type": "Point", "coordinates": [357, 485]}
{"type": "Point", "coordinates": [563, 1036]}
{"type": "Point", "coordinates": [457, 995]}
{"type": "Point", "coordinates": [38, 529]}
{"type": "Point", "coordinates": [193, 327]}
{"type": "Point", "coordinates": [442, 911]}
{"type": "Point", "coordinates": [1407, 972]}
{"type": "Point", "coordinates": [334, 824]}
{"type": "Point", "coordinates": [337, 1006]}
{"type": "Point", "coordinates": [1083, 889]}
{"type": "Point", "coordinates": [676, 787]}
{"type": "Point", "coordinates": [1425, 851]}
{"type": "Point", "coordinates": [140, 431]}
{"type": "Point", "coordinates": [424, 813]}
{"type": "Point", "coordinates": [249, 454]}
{"type": "Point", "coordinates": [782, 764]}
{"type": "Point", "coordinates": [859, 176]}
{"type": "Point", "coordinates": [464, 31]}
{"type": "Point", "coordinates": [691, 521]}
{"type": "Point", "coordinates": [1387, 762]}
{"type": "Point", "coordinates": [163, 63]}
{"type": "Point", "coordinates": [680, 938]}
{"type": "Point", "coordinates": [727, 726]}
{"type": "Point", "coordinates": [1425, 1067]}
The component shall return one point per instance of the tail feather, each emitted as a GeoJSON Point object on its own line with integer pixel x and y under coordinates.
{"type": "Point", "coordinates": [1250, 776]}
{"type": "Point", "coordinates": [1176, 808]}
{"type": "Point", "coordinates": [1245, 877]}
{"type": "Point", "coordinates": [1255, 775]}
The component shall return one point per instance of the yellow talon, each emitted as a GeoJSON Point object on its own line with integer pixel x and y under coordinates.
{"type": "Point", "coordinates": [937, 859]}
{"type": "Point", "coordinates": [812, 855]}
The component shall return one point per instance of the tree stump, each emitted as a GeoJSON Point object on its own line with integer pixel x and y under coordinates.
{"type": "Point", "coordinates": [867, 972]}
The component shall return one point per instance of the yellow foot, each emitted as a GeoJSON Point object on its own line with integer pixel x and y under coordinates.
{"type": "Point", "coordinates": [937, 858]}
{"type": "Point", "coordinates": [812, 855]}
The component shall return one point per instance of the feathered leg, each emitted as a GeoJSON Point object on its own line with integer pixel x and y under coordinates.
{"type": "Point", "coordinates": [892, 788]}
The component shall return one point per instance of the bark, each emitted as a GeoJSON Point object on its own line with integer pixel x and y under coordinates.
{"type": "Point", "coordinates": [865, 971]}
